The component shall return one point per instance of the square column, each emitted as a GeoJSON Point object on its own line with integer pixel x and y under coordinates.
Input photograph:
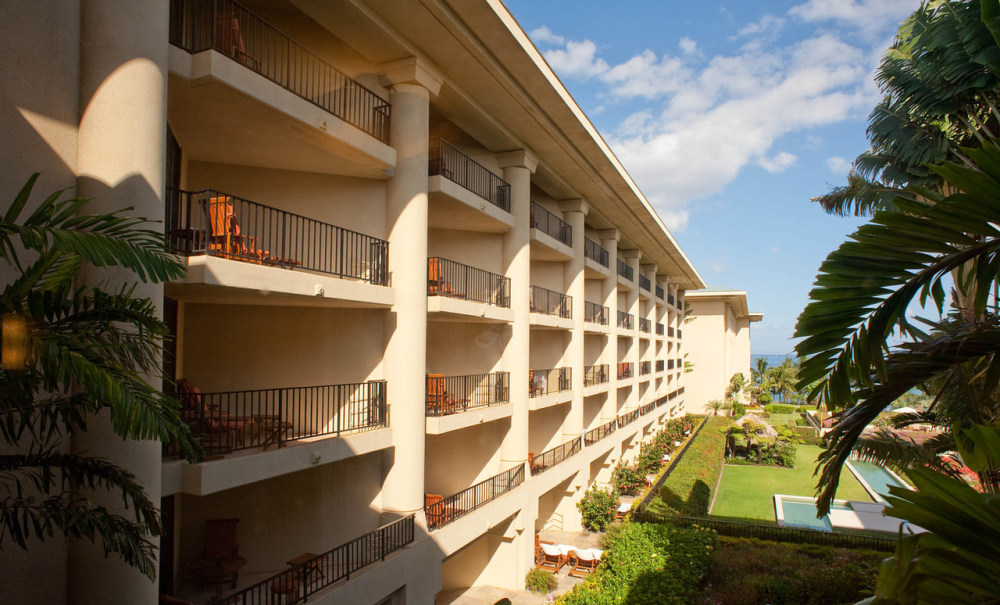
{"type": "Point", "coordinates": [575, 213]}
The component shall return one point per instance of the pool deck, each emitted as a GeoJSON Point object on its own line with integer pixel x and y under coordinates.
{"type": "Point", "coordinates": [866, 516]}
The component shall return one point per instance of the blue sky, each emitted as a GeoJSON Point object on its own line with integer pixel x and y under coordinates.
{"type": "Point", "coordinates": [730, 116]}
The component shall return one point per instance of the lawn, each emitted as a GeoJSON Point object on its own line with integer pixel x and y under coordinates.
{"type": "Point", "coordinates": [747, 492]}
{"type": "Point", "coordinates": [780, 419]}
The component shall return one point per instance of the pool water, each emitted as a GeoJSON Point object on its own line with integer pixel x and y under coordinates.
{"type": "Point", "coordinates": [803, 514]}
{"type": "Point", "coordinates": [876, 478]}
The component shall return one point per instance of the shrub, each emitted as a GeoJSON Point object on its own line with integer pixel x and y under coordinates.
{"type": "Point", "coordinates": [738, 409]}
{"type": "Point", "coordinates": [597, 508]}
{"type": "Point", "coordinates": [780, 408]}
{"type": "Point", "coordinates": [540, 581]}
{"type": "Point", "coordinates": [626, 479]}
{"type": "Point", "coordinates": [688, 489]}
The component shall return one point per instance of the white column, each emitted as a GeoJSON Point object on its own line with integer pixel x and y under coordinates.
{"type": "Point", "coordinates": [405, 359]}
{"type": "Point", "coordinates": [121, 163]}
{"type": "Point", "coordinates": [632, 257]}
{"type": "Point", "coordinates": [609, 241]}
{"type": "Point", "coordinates": [575, 213]}
{"type": "Point", "coordinates": [518, 167]}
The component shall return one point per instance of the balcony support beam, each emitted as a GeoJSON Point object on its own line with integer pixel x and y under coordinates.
{"type": "Point", "coordinates": [609, 290]}
{"type": "Point", "coordinates": [575, 213]}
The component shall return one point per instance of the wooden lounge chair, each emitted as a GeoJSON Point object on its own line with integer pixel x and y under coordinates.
{"type": "Point", "coordinates": [584, 562]}
{"type": "Point", "coordinates": [552, 558]}
{"type": "Point", "coordinates": [538, 548]}
{"type": "Point", "coordinates": [218, 431]}
{"type": "Point", "coordinates": [221, 560]}
{"type": "Point", "coordinates": [228, 40]}
{"type": "Point", "coordinates": [436, 284]}
{"type": "Point", "coordinates": [227, 239]}
{"type": "Point", "coordinates": [438, 399]}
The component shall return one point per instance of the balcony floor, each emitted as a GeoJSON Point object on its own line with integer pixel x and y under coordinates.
{"type": "Point", "coordinates": [452, 206]}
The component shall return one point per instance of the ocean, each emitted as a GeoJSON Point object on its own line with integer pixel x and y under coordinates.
{"type": "Point", "coordinates": [772, 360]}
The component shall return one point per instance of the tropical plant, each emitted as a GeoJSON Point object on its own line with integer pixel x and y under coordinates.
{"type": "Point", "coordinates": [540, 581]}
{"type": "Point", "coordinates": [736, 383]}
{"type": "Point", "coordinates": [715, 405]}
{"type": "Point", "coordinates": [627, 479]}
{"type": "Point", "coordinates": [85, 351]}
{"type": "Point", "coordinates": [597, 508]}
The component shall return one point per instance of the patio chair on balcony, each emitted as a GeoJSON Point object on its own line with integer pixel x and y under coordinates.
{"type": "Point", "coordinates": [228, 40]}
{"type": "Point", "coordinates": [227, 240]}
{"type": "Point", "coordinates": [221, 560]}
{"type": "Point", "coordinates": [217, 430]}
{"type": "Point", "coordinates": [438, 399]}
{"type": "Point", "coordinates": [436, 285]}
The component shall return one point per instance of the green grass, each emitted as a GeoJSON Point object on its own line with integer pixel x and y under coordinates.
{"type": "Point", "coordinates": [780, 419]}
{"type": "Point", "coordinates": [747, 492]}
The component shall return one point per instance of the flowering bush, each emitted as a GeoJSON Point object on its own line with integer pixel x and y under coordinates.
{"type": "Point", "coordinates": [597, 508]}
{"type": "Point", "coordinates": [626, 479]}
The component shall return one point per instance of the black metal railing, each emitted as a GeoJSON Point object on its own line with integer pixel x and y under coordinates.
{"type": "Point", "coordinates": [659, 365]}
{"type": "Point", "coordinates": [777, 534]}
{"type": "Point", "coordinates": [240, 420]}
{"type": "Point", "coordinates": [455, 280]}
{"type": "Point", "coordinates": [645, 367]}
{"type": "Point", "coordinates": [453, 394]}
{"type": "Point", "coordinates": [659, 329]}
{"type": "Point", "coordinates": [661, 401]}
{"type": "Point", "coordinates": [626, 369]}
{"type": "Point", "coordinates": [545, 382]}
{"type": "Point", "coordinates": [644, 283]}
{"type": "Point", "coordinates": [659, 292]}
{"type": "Point", "coordinates": [670, 332]}
{"type": "Point", "coordinates": [233, 30]}
{"type": "Point", "coordinates": [547, 222]}
{"type": "Point", "coordinates": [594, 375]}
{"type": "Point", "coordinates": [595, 313]}
{"type": "Point", "coordinates": [330, 567]}
{"type": "Point", "coordinates": [550, 302]}
{"type": "Point", "coordinates": [625, 270]}
{"type": "Point", "coordinates": [442, 511]}
{"type": "Point", "coordinates": [627, 418]}
{"type": "Point", "coordinates": [448, 161]}
{"type": "Point", "coordinates": [595, 252]}
{"type": "Point", "coordinates": [625, 320]}
{"type": "Point", "coordinates": [647, 408]}
{"type": "Point", "coordinates": [217, 224]}
{"type": "Point", "coordinates": [554, 456]}
{"type": "Point", "coordinates": [594, 435]}
{"type": "Point", "coordinates": [645, 325]}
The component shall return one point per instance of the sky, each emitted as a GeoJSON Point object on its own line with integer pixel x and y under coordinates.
{"type": "Point", "coordinates": [730, 116]}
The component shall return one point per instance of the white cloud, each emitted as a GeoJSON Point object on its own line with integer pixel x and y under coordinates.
{"type": "Point", "coordinates": [867, 16]}
{"type": "Point", "coordinates": [544, 34]}
{"type": "Point", "coordinates": [688, 46]}
{"type": "Point", "coordinates": [768, 24]}
{"type": "Point", "coordinates": [838, 165]}
{"type": "Point", "coordinates": [717, 267]}
{"type": "Point", "coordinates": [778, 163]}
{"type": "Point", "coordinates": [576, 60]}
{"type": "Point", "coordinates": [776, 249]}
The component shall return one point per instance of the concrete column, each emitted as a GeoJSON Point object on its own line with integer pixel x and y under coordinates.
{"type": "Point", "coordinates": [609, 241]}
{"type": "Point", "coordinates": [575, 213]}
{"type": "Point", "coordinates": [664, 346]}
{"type": "Point", "coordinates": [649, 270]}
{"type": "Point", "coordinates": [405, 362]}
{"type": "Point", "coordinates": [121, 162]}
{"type": "Point", "coordinates": [632, 257]}
{"type": "Point", "coordinates": [518, 167]}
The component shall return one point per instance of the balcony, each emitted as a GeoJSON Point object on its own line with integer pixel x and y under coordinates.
{"type": "Point", "coordinates": [595, 313]}
{"type": "Point", "coordinates": [597, 260]}
{"type": "Point", "coordinates": [659, 292]}
{"type": "Point", "coordinates": [595, 375]}
{"type": "Point", "coordinates": [448, 395]}
{"type": "Point", "coordinates": [647, 408]}
{"type": "Point", "coordinates": [331, 567]}
{"type": "Point", "coordinates": [645, 368]}
{"type": "Point", "coordinates": [554, 456]}
{"type": "Point", "coordinates": [458, 290]}
{"type": "Point", "coordinates": [593, 436]}
{"type": "Point", "coordinates": [670, 364]}
{"type": "Point", "coordinates": [670, 299]}
{"type": "Point", "coordinates": [625, 320]}
{"type": "Point", "coordinates": [644, 283]}
{"type": "Point", "coordinates": [230, 68]}
{"type": "Point", "coordinates": [626, 273]}
{"type": "Point", "coordinates": [659, 365]}
{"type": "Point", "coordinates": [210, 223]}
{"type": "Point", "coordinates": [549, 382]}
{"type": "Point", "coordinates": [551, 237]}
{"type": "Point", "coordinates": [626, 369]}
{"type": "Point", "coordinates": [680, 334]}
{"type": "Point", "coordinates": [240, 420]}
{"type": "Point", "coordinates": [464, 194]}
{"type": "Point", "coordinates": [659, 329]}
{"type": "Point", "coordinates": [645, 325]}
{"type": "Point", "coordinates": [628, 418]}
{"type": "Point", "coordinates": [670, 332]}
{"type": "Point", "coordinates": [442, 511]}
{"type": "Point", "coordinates": [550, 302]}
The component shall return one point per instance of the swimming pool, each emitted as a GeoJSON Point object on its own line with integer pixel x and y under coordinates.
{"type": "Point", "coordinates": [800, 511]}
{"type": "Point", "coordinates": [875, 479]}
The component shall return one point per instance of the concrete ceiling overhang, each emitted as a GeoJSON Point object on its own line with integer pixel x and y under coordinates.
{"type": "Point", "coordinates": [736, 299]}
{"type": "Point", "coordinates": [500, 90]}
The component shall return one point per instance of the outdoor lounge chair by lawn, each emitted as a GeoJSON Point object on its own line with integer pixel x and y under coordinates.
{"type": "Point", "coordinates": [584, 562]}
{"type": "Point", "coordinates": [552, 557]}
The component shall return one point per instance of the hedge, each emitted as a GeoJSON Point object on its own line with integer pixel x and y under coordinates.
{"type": "Point", "coordinates": [780, 408]}
{"type": "Point", "coordinates": [689, 487]}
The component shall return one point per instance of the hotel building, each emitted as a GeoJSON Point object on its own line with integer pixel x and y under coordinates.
{"type": "Point", "coordinates": [425, 306]}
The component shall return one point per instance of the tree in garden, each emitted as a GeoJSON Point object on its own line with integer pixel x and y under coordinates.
{"type": "Point", "coordinates": [715, 405]}
{"type": "Point", "coordinates": [83, 351]}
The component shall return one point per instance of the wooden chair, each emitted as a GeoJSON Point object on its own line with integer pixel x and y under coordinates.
{"type": "Point", "coordinates": [552, 558]}
{"type": "Point", "coordinates": [538, 548]}
{"type": "Point", "coordinates": [438, 398]}
{"type": "Point", "coordinates": [212, 424]}
{"type": "Point", "coordinates": [228, 40]}
{"type": "Point", "coordinates": [436, 284]}
{"type": "Point", "coordinates": [220, 561]}
{"type": "Point", "coordinates": [434, 509]}
{"type": "Point", "coordinates": [584, 562]}
{"type": "Point", "coordinates": [227, 239]}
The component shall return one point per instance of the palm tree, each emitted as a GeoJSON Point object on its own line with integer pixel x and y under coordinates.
{"type": "Point", "coordinates": [82, 351]}
{"type": "Point", "coordinates": [715, 405]}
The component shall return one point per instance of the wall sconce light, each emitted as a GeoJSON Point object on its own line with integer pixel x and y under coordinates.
{"type": "Point", "coordinates": [14, 344]}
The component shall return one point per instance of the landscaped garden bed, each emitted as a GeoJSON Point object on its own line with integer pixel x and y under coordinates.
{"type": "Point", "coordinates": [689, 487]}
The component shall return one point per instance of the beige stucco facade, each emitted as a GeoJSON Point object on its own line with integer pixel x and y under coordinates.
{"type": "Point", "coordinates": [716, 343]}
{"type": "Point", "coordinates": [291, 150]}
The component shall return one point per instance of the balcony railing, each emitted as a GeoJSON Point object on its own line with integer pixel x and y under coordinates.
{"type": "Point", "coordinates": [670, 332]}
{"type": "Point", "coordinates": [240, 420]}
{"type": "Point", "coordinates": [659, 365]}
{"type": "Point", "coordinates": [453, 394]}
{"type": "Point", "coordinates": [550, 302]}
{"type": "Point", "coordinates": [625, 320]}
{"type": "Point", "coordinates": [217, 224]}
{"type": "Point", "coordinates": [446, 160]}
{"type": "Point", "coordinates": [455, 280]}
{"type": "Point", "coordinates": [545, 382]}
{"type": "Point", "coordinates": [670, 364]}
{"type": "Point", "coordinates": [626, 369]}
{"type": "Point", "coordinates": [234, 31]}
{"type": "Point", "coordinates": [595, 252]}
{"type": "Point", "coordinates": [628, 418]}
{"type": "Point", "coordinates": [625, 270]}
{"type": "Point", "coordinates": [595, 313]}
{"type": "Point", "coordinates": [644, 283]}
{"type": "Point", "coordinates": [554, 456]}
{"type": "Point", "coordinates": [645, 325]}
{"type": "Point", "coordinates": [595, 375]}
{"type": "Point", "coordinates": [670, 298]}
{"type": "Point", "coordinates": [330, 567]}
{"type": "Point", "coordinates": [645, 367]}
{"type": "Point", "coordinates": [647, 408]}
{"type": "Point", "coordinates": [659, 292]}
{"type": "Point", "coordinates": [548, 223]}
{"type": "Point", "coordinates": [661, 401]}
{"type": "Point", "coordinates": [442, 511]}
{"type": "Point", "coordinates": [659, 329]}
{"type": "Point", "coordinates": [593, 436]}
